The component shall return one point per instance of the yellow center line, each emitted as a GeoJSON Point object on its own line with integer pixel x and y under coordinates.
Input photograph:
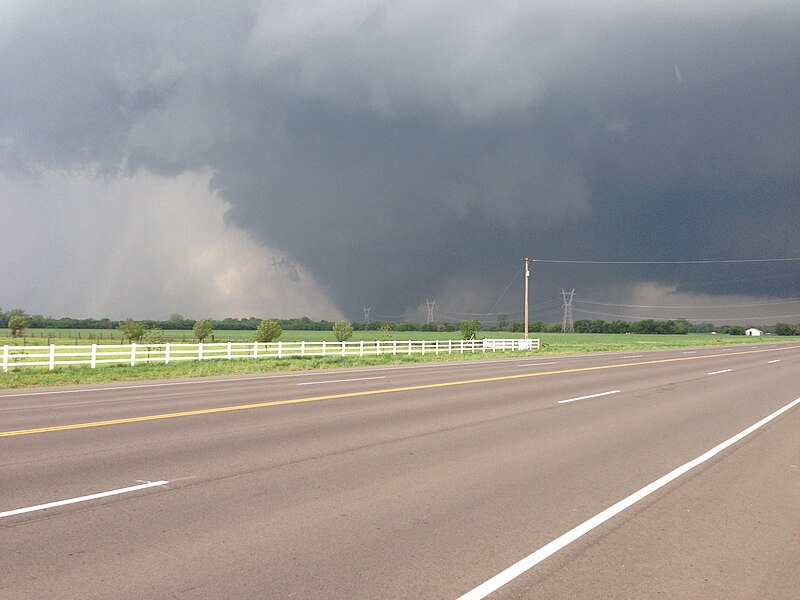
{"type": "Point", "coordinates": [427, 386]}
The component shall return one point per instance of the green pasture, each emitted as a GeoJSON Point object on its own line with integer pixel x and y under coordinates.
{"type": "Point", "coordinates": [554, 342]}
{"type": "Point", "coordinates": [77, 337]}
{"type": "Point", "coordinates": [574, 343]}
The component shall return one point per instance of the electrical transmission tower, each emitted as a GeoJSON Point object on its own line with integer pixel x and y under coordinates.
{"type": "Point", "coordinates": [366, 314]}
{"type": "Point", "coordinates": [567, 323]}
{"type": "Point", "coordinates": [430, 305]}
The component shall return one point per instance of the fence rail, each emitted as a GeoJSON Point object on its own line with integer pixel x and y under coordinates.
{"type": "Point", "coordinates": [134, 354]}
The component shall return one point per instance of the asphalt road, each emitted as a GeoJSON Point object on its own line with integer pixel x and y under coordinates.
{"type": "Point", "coordinates": [412, 482]}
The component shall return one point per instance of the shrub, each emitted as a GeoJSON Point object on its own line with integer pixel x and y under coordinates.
{"type": "Point", "coordinates": [17, 324]}
{"type": "Point", "coordinates": [469, 329]}
{"type": "Point", "coordinates": [131, 330]}
{"type": "Point", "coordinates": [343, 330]}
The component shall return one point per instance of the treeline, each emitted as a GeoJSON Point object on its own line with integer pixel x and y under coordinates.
{"type": "Point", "coordinates": [175, 322]}
{"type": "Point", "coordinates": [179, 322]}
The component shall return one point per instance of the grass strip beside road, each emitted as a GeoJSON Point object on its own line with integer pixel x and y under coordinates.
{"type": "Point", "coordinates": [552, 344]}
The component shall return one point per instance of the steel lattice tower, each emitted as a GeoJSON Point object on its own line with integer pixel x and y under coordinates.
{"type": "Point", "coordinates": [430, 305]}
{"type": "Point", "coordinates": [567, 323]}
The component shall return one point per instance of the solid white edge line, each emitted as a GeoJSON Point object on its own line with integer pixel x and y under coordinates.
{"type": "Point", "coordinates": [340, 380]}
{"type": "Point", "coordinates": [591, 396]}
{"type": "Point", "coordinates": [557, 544]}
{"type": "Point", "coordinates": [773, 361]}
{"type": "Point", "coordinates": [133, 488]}
{"type": "Point", "coordinates": [718, 372]}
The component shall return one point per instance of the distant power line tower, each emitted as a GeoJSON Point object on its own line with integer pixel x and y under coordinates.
{"type": "Point", "coordinates": [430, 305]}
{"type": "Point", "coordinates": [366, 314]}
{"type": "Point", "coordinates": [567, 323]}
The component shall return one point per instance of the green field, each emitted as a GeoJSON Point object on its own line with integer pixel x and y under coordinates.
{"type": "Point", "coordinates": [558, 342]}
{"type": "Point", "coordinates": [38, 337]}
{"type": "Point", "coordinates": [552, 343]}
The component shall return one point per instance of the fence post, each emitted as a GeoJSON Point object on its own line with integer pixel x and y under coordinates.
{"type": "Point", "coordinates": [377, 347]}
{"type": "Point", "coordinates": [52, 356]}
{"type": "Point", "coordinates": [361, 348]}
{"type": "Point", "coordinates": [255, 349]}
{"type": "Point", "coordinates": [94, 355]}
{"type": "Point", "coordinates": [166, 353]}
{"type": "Point", "coordinates": [5, 358]}
{"type": "Point", "coordinates": [280, 349]}
{"type": "Point", "coordinates": [409, 347]}
{"type": "Point", "coordinates": [229, 350]}
{"type": "Point", "coordinates": [462, 346]}
{"type": "Point", "coordinates": [133, 354]}
{"type": "Point", "coordinates": [302, 348]}
{"type": "Point", "coordinates": [437, 347]}
{"type": "Point", "coordinates": [323, 347]}
{"type": "Point", "coordinates": [449, 346]}
{"type": "Point", "coordinates": [199, 350]}
{"type": "Point", "coordinates": [394, 347]}
{"type": "Point", "coordinates": [343, 348]}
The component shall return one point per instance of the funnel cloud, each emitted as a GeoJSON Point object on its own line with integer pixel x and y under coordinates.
{"type": "Point", "coordinates": [358, 153]}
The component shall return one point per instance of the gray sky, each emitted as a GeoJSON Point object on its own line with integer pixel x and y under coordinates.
{"type": "Point", "coordinates": [281, 159]}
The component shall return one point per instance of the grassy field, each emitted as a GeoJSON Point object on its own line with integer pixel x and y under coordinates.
{"type": "Point", "coordinates": [552, 343]}
{"type": "Point", "coordinates": [40, 337]}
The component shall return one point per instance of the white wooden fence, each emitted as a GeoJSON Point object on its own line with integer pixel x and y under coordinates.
{"type": "Point", "coordinates": [134, 354]}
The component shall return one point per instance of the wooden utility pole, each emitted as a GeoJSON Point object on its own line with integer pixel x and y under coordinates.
{"type": "Point", "coordinates": [527, 276]}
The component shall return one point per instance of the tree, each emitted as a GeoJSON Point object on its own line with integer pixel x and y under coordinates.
{"type": "Point", "coordinates": [469, 329]}
{"type": "Point", "coordinates": [17, 324]}
{"type": "Point", "coordinates": [783, 329]}
{"type": "Point", "coordinates": [176, 317]}
{"type": "Point", "coordinates": [502, 320]}
{"type": "Point", "coordinates": [131, 330]}
{"type": "Point", "coordinates": [268, 330]}
{"type": "Point", "coordinates": [343, 330]}
{"type": "Point", "coordinates": [202, 329]}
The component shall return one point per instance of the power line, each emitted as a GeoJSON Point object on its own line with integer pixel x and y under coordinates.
{"type": "Point", "coordinates": [764, 303]}
{"type": "Point", "coordinates": [664, 262]}
{"type": "Point", "coordinates": [489, 314]}
{"type": "Point", "coordinates": [640, 317]}
{"type": "Point", "coordinates": [503, 293]}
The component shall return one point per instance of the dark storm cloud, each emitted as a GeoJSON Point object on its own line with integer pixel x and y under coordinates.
{"type": "Point", "coordinates": [405, 150]}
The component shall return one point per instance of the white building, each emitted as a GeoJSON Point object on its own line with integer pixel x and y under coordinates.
{"type": "Point", "coordinates": [753, 331]}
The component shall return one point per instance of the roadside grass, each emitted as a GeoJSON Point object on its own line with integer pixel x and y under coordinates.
{"type": "Point", "coordinates": [24, 377]}
{"type": "Point", "coordinates": [552, 344]}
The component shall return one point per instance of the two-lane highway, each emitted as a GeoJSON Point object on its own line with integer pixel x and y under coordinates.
{"type": "Point", "coordinates": [422, 481]}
